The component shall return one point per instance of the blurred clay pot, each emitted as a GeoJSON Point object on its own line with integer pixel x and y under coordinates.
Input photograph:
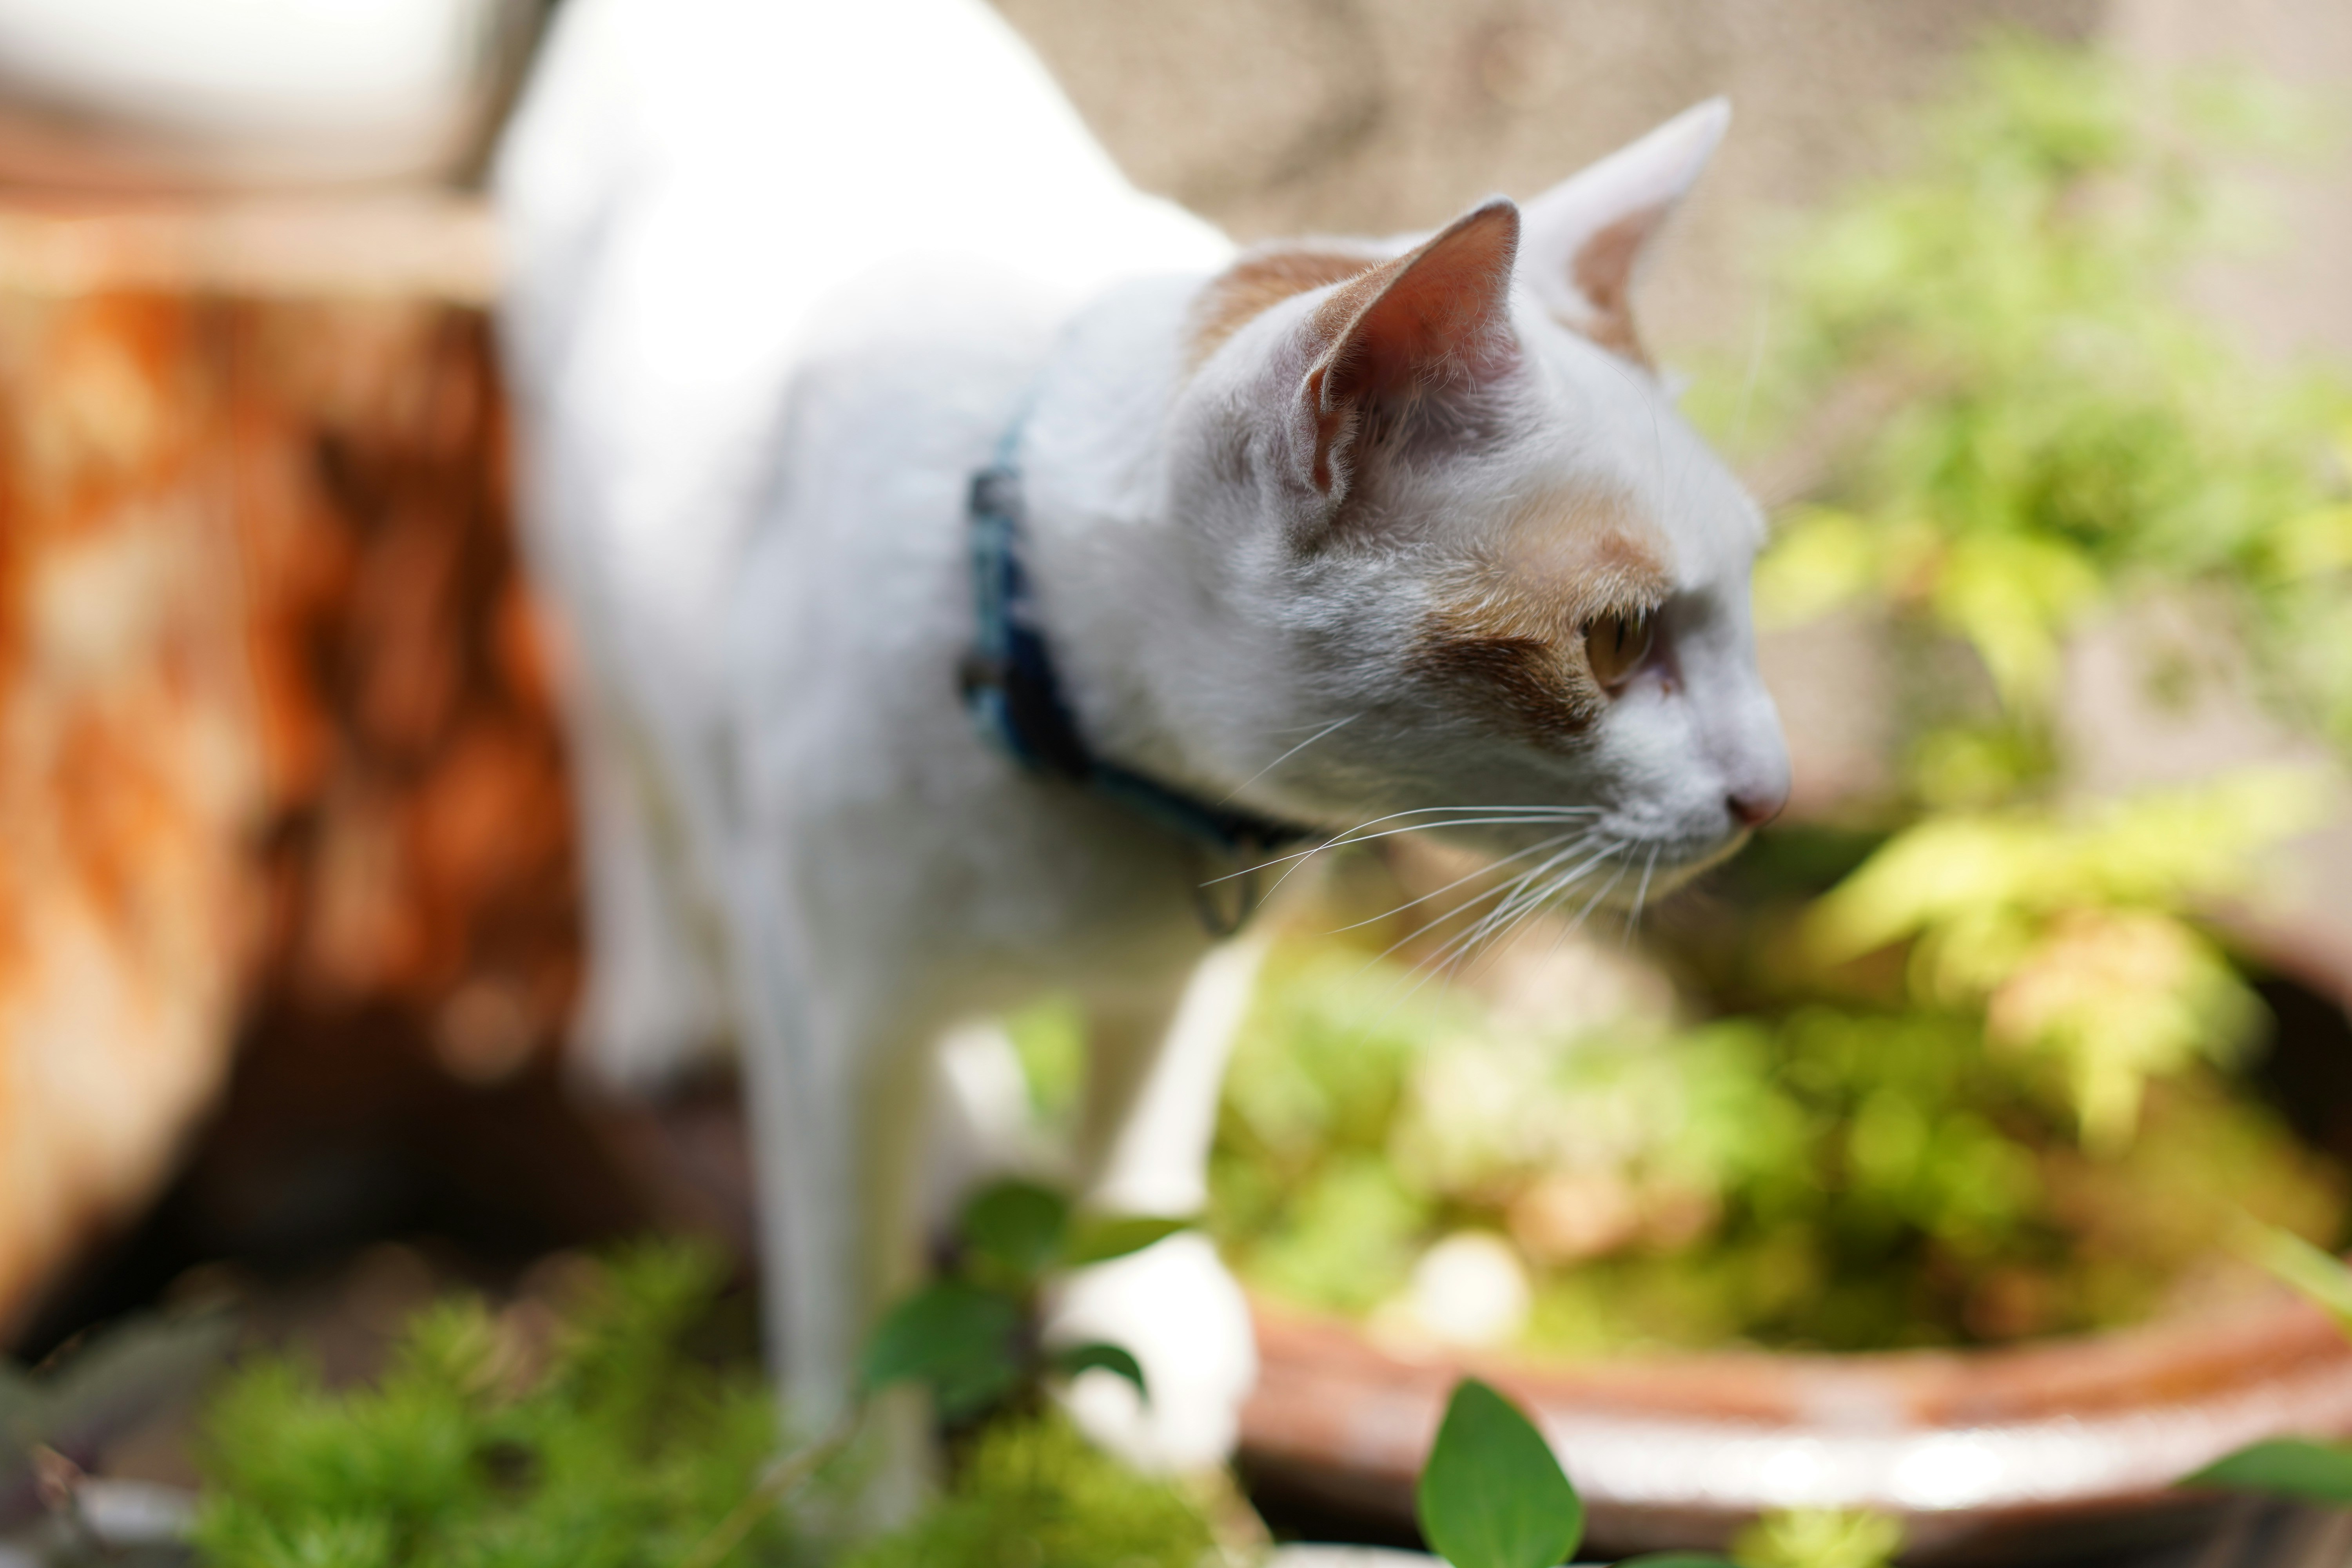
{"type": "Point", "coordinates": [159, 96]}
{"type": "Point", "coordinates": [2010, 1454]}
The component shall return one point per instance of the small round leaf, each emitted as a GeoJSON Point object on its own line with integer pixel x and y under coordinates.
{"type": "Point", "coordinates": [2285, 1466]}
{"type": "Point", "coordinates": [1099, 1238]}
{"type": "Point", "coordinates": [1017, 1227]}
{"type": "Point", "coordinates": [1492, 1495]}
{"type": "Point", "coordinates": [1076, 1359]}
{"type": "Point", "coordinates": [962, 1340]}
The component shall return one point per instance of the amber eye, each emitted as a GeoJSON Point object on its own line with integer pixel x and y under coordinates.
{"type": "Point", "coordinates": [1615, 646]}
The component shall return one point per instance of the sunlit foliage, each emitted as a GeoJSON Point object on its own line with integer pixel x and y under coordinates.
{"type": "Point", "coordinates": [500, 1442]}
{"type": "Point", "coordinates": [2008, 416]}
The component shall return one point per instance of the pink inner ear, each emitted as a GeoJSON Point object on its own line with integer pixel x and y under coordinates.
{"type": "Point", "coordinates": [1434, 314]}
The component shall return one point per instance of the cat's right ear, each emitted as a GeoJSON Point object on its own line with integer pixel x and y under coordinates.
{"type": "Point", "coordinates": [1589, 237]}
{"type": "Point", "coordinates": [1435, 318]}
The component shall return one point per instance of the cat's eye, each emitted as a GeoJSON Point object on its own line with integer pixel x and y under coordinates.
{"type": "Point", "coordinates": [1615, 646]}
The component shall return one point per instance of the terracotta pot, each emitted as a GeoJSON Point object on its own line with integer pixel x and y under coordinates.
{"type": "Point", "coordinates": [281, 756]}
{"type": "Point", "coordinates": [2014, 1452]}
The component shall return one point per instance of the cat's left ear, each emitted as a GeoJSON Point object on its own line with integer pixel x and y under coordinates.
{"type": "Point", "coordinates": [1588, 238]}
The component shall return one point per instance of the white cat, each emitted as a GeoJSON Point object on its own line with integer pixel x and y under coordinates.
{"type": "Point", "coordinates": [1362, 535]}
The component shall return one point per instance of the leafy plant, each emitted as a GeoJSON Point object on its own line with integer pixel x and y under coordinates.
{"type": "Point", "coordinates": [2013, 426]}
{"type": "Point", "coordinates": [2068, 930]}
{"type": "Point", "coordinates": [1828, 1170]}
{"type": "Point", "coordinates": [971, 1337]}
{"type": "Point", "coordinates": [2015, 423]}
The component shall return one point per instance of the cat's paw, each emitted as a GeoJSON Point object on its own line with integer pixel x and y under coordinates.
{"type": "Point", "coordinates": [1174, 1307]}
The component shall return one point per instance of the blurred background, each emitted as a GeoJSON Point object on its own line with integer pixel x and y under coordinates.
{"type": "Point", "coordinates": [2029, 319]}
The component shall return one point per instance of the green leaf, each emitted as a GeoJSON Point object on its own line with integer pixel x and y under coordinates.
{"type": "Point", "coordinates": [2318, 1274]}
{"type": "Point", "coordinates": [1018, 1227]}
{"type": "Point", "coordinates": [1101, 1238]}
{"type": "Point", "coordinates": [1076, 1359]}
{"type": "Point", "coordinates": [24, 1407]}
{"type": "Point", "coordinates": [1492, 1495]}
{"type": "Point", "coordinates": [961, 1339]}
{"type": "Point", "coordinates": [127, 1373]}
{"type": "Point", "coordinates": [2285, 1466]}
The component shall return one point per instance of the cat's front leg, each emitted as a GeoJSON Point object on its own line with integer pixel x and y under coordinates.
{"type": "Point", "coordinates": [837, 1081]}
{"type": "Point", "coordinates": [1151, 1106]}
{"type": "Point", "coordinates": [653, 1000]}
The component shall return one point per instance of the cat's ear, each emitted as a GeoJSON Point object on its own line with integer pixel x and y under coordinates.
{"type": "Point", "coordinates": [1434, 318]}
{"type": "Point", "coordinates": [1589, 237]}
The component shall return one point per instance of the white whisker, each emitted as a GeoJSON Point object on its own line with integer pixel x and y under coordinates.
{"type": "Point", "coordinates": [1606, 888]}
{"type": "Point", "coordinates": [1536, 848]}
{"type": "Point", "coordinates": [1642, 893]}
{"type": "Point", "coordinates": [1420, 828]}
{"type": "Point", "coordinates": [1570, 881]}
{"type": "Point", "coordinates": [1512, 912]}
{"type": "Point", "coordinates": [1518, 815]}
{"type": "Point", "coordinates": [1500, 890]}
{"type": "Point", "coordinates": [1294, 751]}
{"type": "Point", "coordinates": [1507, 890]}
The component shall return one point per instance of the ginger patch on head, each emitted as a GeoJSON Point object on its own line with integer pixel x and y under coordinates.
{"type": "Point", "coordinates": [1255, 284]}
{"type": "Point", "coordinates": [1514, 630]}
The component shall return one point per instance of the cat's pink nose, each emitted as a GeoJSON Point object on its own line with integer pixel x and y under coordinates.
{"type": "Point", "coordinates": [1755, 809]}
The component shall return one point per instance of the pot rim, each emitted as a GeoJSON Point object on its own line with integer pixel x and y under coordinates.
{"type": "Point", "coordinates": [1975, 1448]}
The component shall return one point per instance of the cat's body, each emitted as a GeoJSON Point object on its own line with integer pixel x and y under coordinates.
{"type": "Point", "coordinates": [1329, 534]}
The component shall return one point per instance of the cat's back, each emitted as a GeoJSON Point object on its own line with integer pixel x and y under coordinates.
{"type": "Point", "coordinates": [687, 183]}
{"type": "Point", "coordinates": [857, 553]}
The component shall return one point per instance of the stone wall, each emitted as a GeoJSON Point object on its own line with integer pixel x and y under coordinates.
{"type": "Point", "coordinates": [1278, 117]}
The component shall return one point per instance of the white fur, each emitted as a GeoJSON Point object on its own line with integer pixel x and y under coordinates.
{"type": "Point", "coordinates": [784, 276]}
{"type": "Point", "coordinates": [686, 183]}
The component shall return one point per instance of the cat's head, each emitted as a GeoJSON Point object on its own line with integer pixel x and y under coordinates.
{"type": "Point", "coordinates": [1452, 529]}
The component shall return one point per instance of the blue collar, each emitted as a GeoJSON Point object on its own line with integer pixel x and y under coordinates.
{"type": "Point", "coordinates": [1015, 698]}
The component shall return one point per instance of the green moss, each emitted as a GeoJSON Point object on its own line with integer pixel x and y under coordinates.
{"type": "Point", "coordinates": [1034, 1494]}
{"type": "Point", "coordinates": [619, 1437]}
{"type": "Point", "coordinates": [490, 1442]}
{"type": "Point", "coordinates": [1819, 1538]}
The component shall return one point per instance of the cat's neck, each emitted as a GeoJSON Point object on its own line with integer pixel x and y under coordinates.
{"type": "Point", "coordinates": [1113, 572]}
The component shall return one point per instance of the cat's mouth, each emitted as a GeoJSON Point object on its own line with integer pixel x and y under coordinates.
{"type": "Point", "coordinates": [1672, 864]}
